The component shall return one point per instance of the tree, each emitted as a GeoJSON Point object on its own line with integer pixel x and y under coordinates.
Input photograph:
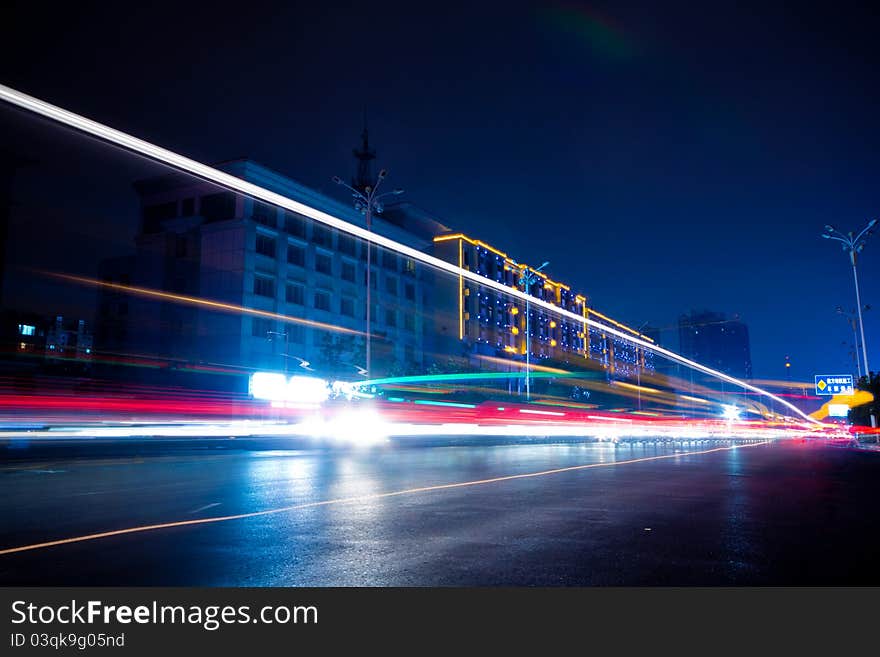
{"type": "Point", "coordinates": [862, 414]}
{"type": "Point", "coordinates": [341, 355]}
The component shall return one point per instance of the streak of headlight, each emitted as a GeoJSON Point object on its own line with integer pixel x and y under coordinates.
{"type": "Point", "coordinates": [633, 386]}
{"type": "Point", "coordinates": [255, 191]}
{"type": "Point", "coordinates": [695, 399]}
{"type": "Point", "coordinates": [361, 498]}
{"type": "Point", "coordinates": [463, 376]}
{"type": "Point", "coordinates": [532, 366]}
{"type": "Point", "coordinates": [197, 301]}
{"type": "Point", "coordinates": [623, 427]}
{"type": "Point", "coordinates": [608, 419]}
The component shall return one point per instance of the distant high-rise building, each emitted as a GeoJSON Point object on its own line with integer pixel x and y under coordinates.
{"type": "Point", "coordinates": [713, 339]}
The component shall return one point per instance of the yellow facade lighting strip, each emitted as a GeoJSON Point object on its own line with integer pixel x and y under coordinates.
{"type": "Point", "coordinates": [489, 247]}
{"type": "Point", "coordinates": [470, 240]}
{"type": "Point", "coordinates": [252, 190]}
{"type": "Point", "coordinates": [460, 292]}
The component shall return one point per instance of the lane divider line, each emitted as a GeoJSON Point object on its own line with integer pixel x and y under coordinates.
{"type": "Point", "coordinates": [360, 498]}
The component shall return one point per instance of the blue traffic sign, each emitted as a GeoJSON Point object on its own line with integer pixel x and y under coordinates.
{"type": "Point", "coordinates": [834, 384]}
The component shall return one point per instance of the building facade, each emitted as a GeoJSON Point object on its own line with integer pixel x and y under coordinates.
{"type": "Point", "coordinates": [305, 280]}
{"type": "Point", "coordinates": [481, 321]}
{"type": "Point", "coordinates": [713, 339]}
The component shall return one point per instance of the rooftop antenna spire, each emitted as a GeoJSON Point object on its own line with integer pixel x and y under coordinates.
{"type": "Point", "coordinates": [364, 156]}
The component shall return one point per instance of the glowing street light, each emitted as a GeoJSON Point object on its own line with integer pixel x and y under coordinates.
{"type": "Point", "coordinates": [367, 202]}
{"type": "Point", "coordinates": [853, 245]}
{"type": "Point", "coordinates": [527, 278]}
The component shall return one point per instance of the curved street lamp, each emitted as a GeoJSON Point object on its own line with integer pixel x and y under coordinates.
{"type": "Point", "coordinates": [527, 278]}
{"type": "Point", "coordinates": [854, 244]}
{"type": "Point", "coordinates": [368, 202]}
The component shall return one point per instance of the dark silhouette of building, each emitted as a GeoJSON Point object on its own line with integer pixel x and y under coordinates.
{"type": "Point", "coordinates": [713, 339]}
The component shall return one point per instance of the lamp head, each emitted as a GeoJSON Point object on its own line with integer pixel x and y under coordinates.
{"type": "Point", "coordinates": [337, 180]}
{"type": "Point", "coordinates": [382, 174]}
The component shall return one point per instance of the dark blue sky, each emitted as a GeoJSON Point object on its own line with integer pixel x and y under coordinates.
{"type": "Point", "coordinates": [663, 157]}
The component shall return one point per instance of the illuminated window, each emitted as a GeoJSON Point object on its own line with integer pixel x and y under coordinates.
{"type": "Point", "coordinates": [409, 266]}
{"type": "Point", "coordinates": [26, 329]}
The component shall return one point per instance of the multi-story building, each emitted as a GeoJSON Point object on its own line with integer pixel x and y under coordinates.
{"type": "Point", "coordinates": [30, 340]}
{"type": "Point", "coordinates": [66, 341]}
{"type": "Point", "coordinates": [715, 340]}
{"type": "Point", "coordinates": [481, 321]}
{"type": "Point", "coordinates": [200, 241]}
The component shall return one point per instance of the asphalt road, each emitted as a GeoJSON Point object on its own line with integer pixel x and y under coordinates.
{"type": "Point", "coordinates": [781, 514]}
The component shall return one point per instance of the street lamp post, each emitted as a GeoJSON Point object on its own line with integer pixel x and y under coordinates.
{"type": "Point", "coordinates": [366, 203]}
{"type": "Point", "coordinates": [639, 365]}
{"type": "Point", "coordinates": [852, 321]}
{"type": "Point", "coordinates": [853, 245]}
{"type": "Point", "coordinates": [527, 278]}
{"type": "Point", "coordinates": [270, 335]}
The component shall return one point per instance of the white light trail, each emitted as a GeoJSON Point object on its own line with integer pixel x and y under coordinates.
{"type": "Point", "coordinates": [228, 181]}
{"type": "Point", "coordinates": [360, 427]}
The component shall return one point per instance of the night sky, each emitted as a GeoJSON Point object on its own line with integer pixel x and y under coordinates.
{"type": "Point", "coordinates": [663, 158]}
